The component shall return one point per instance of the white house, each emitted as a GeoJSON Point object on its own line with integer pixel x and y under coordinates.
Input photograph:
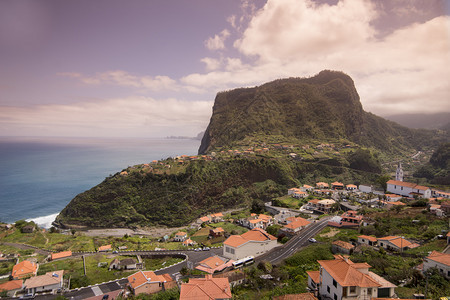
{"type": "Point", "coordinates": [365, 188]}
{"type": "Point", "coordinates": [180, 236]}
{"type": "Point", "coordinates": [252, 243]}
{"type": "Point", "coordinates": [343, 279]}
{"type": "Point", "coordinates": [438, 260]}
{"type": "Point", "coordinates": [51, 281]}
{"type": "Point", "coordinates": [408, 189]}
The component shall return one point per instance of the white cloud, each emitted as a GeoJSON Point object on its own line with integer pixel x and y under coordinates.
{"type": "Point", "coordinates": [123, 78]}
{"type": "Point", "coordinates": [398, 72]}
{"type": "Point", "coordinates": [133, 116]}
{"type": "Point", "coordinates": [218, 41]}
{"type": "Point", "coordinates": [211, 63]}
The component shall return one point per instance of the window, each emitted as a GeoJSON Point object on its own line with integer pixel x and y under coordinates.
{"type": "Point", "coordinates": [352, 289]}
{"type": "Point", "coordinates": [335, 297]}
{"type": "Point", "coordinates": [328, 288]}
{"type": "Point", "coordinates": [334, 283]}
{"type": "Point", "coordinates": [369, 291]}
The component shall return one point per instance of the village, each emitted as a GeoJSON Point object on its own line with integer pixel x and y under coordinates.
{"type": "Point", "coordinates": [230, 242]}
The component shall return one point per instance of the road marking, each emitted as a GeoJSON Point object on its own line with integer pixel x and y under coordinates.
{"type": "Point", "coordinates": [97, 291]}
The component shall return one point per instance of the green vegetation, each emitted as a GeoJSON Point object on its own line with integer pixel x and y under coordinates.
{"type": "Point", "coordinates": [437, 171]}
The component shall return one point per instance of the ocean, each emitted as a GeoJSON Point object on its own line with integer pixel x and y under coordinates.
{"type": "Point", "coordinates": [39, 176]}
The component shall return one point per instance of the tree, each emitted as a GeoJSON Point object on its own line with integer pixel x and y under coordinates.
{"type": "Point", "coordinates": [382, 181]}
{"type": "Point", "coordinates": [257, 206]}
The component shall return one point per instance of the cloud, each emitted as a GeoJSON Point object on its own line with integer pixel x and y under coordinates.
{"type": "Point", "coordinates": [133, 116]}
{"type": "Point", "coordinates": [123, 78]}
{"type": "Point", "coordinates": [211, 63]}
{"type": "Point", "coordinates": [396, 72]}
{"type": "Point", "coordinates": [218, 41]}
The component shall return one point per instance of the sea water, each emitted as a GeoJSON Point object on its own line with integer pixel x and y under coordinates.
{"type": "Point", "coordinates": [39, 176]}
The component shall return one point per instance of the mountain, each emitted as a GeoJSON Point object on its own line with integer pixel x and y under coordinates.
{"type": "Point", "coordinates": [426, 121]}
{"type": "Point", "coordinates": [256, 148]}
{"type": "Point", "coordinates": [325, 107]}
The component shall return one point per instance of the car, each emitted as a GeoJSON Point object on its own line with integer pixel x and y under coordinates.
{"type": "Point", "coordinates": [115, 252]}
{"type": "Point", "coordinates": [206, 248]}
{"type": "Point", "coordinates": [27, 296]}
{"type": "Point", "coordinates": [198, 249]}
{"type": "Point", "coordinates": [312, 240]}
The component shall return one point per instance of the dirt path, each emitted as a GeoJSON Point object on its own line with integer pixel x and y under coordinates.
{"type": "Point", "coordinates": [152, 231]}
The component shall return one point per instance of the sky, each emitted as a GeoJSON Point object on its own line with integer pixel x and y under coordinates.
{"type": "Point", "coordinates": [110, 68]}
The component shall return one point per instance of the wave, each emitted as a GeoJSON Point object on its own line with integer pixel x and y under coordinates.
{"type": "Point", "coordinates": [45, 221]}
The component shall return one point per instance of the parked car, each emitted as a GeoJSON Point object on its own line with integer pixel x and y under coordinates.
{"type": "Point", "coordinates": [312, 240]}
{"type": "Point", "coordinates": [206, 248]}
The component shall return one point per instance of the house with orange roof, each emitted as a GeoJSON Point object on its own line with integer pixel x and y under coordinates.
{"type": "Point", "coordinates": [189, 242]}
{"type": "Point", "coordinates": [205, 289]}
{"type": "Point", "coordinates": [147, 282]}
{"type": "Point", "coordinates": [58, 255]}
{"type": "Point", "coordinates": [322, 185]}
{"type": "Point", "coordinates": [204, 219]}
{"type": "Point", "coordinates": [312, 204]}
{"type": "Point", "coordinates": [291, 191]}
{"type": "Point", "coordinates": [349, 219]}
{"type": "Point", "coordinates": [343, 279]}
{"type": "Point", "coordinates": [251, 243]}
{"type": "Point", "coordinates": [350, 187]}
{"type": "Point", "coordinates": [367, 240]}
{"type": "Point", "coordinates": [438, 260]}
{"type": "Point", "coordinates": [24, 269]}
{"type": "Point", "coordinates": [325, 205]}
{"type": "Point", "coordinates": [50, 281]}
{"type": "Point", "coordinates": [342, 247]}
{"type": "Point", "coordinates": [11, 287]}
{"type": "Point", "coordinates": [307, 188]}
{"type": "Point", "coordinates": [219, 231]}
{"type": "Point", "coordinates": [337, 185]}
{"type": "Point", "coordinates": [215, 218]}
{"type": "Point", "coordinates": [300, 195]}
{"type": "Point", "coordinates": [396, 243]}
{"type": "Point", "coordinates": [104, 248]}
{"type": "Point", "coordinates": [180, 236]}
{"type": "Point", "coordinates": [295, 225]}
{"type": "Point", "coordinates": [407, 189]}
{"type": "Point", "coordinates": [214, 264]}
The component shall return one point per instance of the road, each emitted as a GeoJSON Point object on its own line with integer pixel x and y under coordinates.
{"type": "Point", "coordinates": [278, 254]}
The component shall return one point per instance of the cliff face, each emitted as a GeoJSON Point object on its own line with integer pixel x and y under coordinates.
{"type": "Point", "coordinates": [324, 106]}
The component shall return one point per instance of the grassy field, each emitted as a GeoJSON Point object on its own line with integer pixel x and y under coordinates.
{"type": "Point", "coordinates": [229, 227]}
{"type": "Point", "coordinates": [73, 267]}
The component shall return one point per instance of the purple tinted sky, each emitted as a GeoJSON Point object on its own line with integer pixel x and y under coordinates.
{"type": "Point", "coordinates": [152, 68]}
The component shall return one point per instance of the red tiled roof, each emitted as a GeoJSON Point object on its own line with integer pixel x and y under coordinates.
{"type": "Point", "coordinates": [61, 254]}
{"type": "Point", "coordinates": [24, 268]}
{"type": "Point", "coordinates": [205, 288]}
{"type": "Point", "coordinates": [347, 273]}
{"type": "Point", "coordinates": [442, 258]}
{"type": "Point", "coordinates": [11, 285]}
{"type": "Point", "coordinates": [315, 276]}
{"type": "Point", "coordinates": [255, 234]}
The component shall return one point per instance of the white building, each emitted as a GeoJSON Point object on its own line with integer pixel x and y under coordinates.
{"type": "Point", "coordinates": [252, 243]}
{"type": "Point", "coordinates": [408, 189]}
{"type": "Point", "coordinates": [396, 243]}
{"type": "Point", "coordinates": [438, 260]}
{"type": "Point", "coordinates": [51, 281]}
{"type": "Point", "coordinates": [343, 279]}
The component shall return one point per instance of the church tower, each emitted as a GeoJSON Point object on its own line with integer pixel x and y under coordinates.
{"type": "Point", "coordinates": [399, 172]}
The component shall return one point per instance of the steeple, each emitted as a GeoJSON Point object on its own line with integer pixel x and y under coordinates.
{"type": "Point", "coordinates": [399, 172]}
